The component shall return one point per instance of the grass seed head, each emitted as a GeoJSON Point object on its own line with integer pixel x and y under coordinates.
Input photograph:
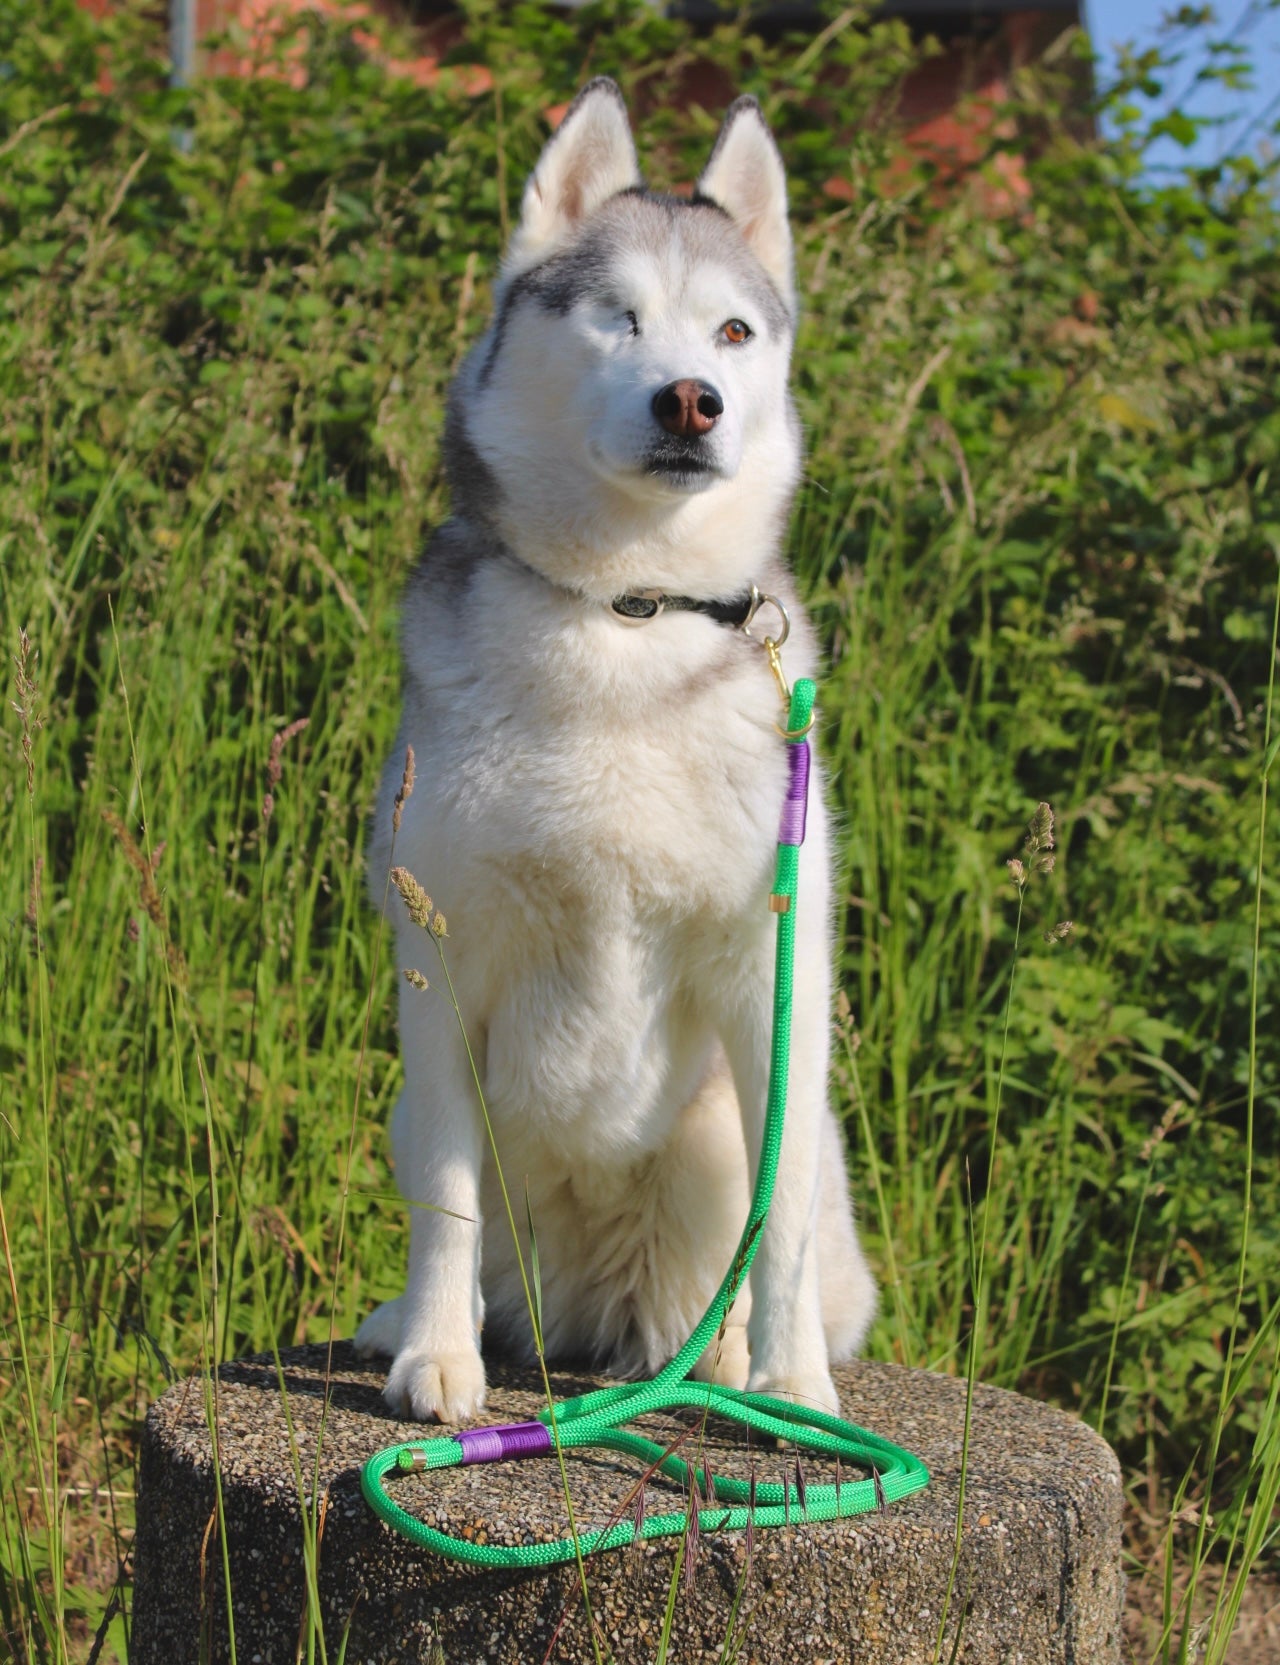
{"type": "Point", "coordinates": [1039, 847]}
{"type": "Point", "coordinates": [635, 1549]}
{"type": "Point", "coordinates": [24, 686]}
{"type": "Point", "coordinates": [1059, 932]}
{"type": "Point", "coordinates": [415, 899]}
{"type": "Point", "coordinates": [275, 768]}
{"type": "Point", "coordinates": [1040, 830]}
{"type": "Point", "coordinates": [31, 917]}
{"type": "Point", "coordinates": [414, 976]}
{"type": "Point", "coordinates": [148, 889]}
{"type": "Point", "coordinates": [737, 1272]}
{"type": "Point", "coordinates": [692, 1535]}
{"type": "Point", "coordinates": [1171, 1119]}
{"type": "Point", "coordinates": [406, 790]}
{"type": "Point", "coordinates": [279, 741]}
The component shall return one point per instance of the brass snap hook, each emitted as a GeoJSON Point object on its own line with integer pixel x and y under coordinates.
{"type": "Point", "coordinates": [775, 665]}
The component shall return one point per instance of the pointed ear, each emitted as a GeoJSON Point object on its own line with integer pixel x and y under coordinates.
{"type": "Point", "coordinates": [590, 158]}
{"type": "Point", "coordinates": [745, 177]}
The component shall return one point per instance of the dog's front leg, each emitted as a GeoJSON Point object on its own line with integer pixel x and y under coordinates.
{"type": "Point", "coordinates": [437, 1141]}
{"type": "Point", "coordinates": [785, 1330]}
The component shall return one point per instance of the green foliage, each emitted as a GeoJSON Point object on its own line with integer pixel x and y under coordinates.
{"type": "Point", "coordinates": [1046, 557]}
{"type": "Point", "coordinates": [1039, 529]}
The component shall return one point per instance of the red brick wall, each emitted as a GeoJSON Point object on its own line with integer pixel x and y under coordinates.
{"type": "Point", "coordinates": [949, 106]}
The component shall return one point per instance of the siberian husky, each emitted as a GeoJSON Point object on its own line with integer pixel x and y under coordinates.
{"type": "Point", "coordinates": [599, 780]}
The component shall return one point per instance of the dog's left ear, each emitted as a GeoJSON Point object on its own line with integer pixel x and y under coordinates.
{"type": "Point", "coordinates": [745, 177]}
{"type": "Point", "coordinates": [590, 158]}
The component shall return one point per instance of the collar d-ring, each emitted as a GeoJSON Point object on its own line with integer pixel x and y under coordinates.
{"type": "Point", "coordinates": [759, 599]}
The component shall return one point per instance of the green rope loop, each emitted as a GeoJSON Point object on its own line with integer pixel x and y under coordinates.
{"type": "Point", "coordinates": [598, 1419]}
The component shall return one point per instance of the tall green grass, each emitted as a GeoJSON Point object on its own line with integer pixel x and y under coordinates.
{"type": "Point", "coordinates": [1040, 532]}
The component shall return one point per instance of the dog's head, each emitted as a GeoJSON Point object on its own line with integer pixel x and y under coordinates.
{"type": "Point", "coordinates": [631, 391]}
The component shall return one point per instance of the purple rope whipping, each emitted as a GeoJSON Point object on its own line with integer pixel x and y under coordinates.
{"type": "Point", "coordinates": [508, 1439]}
{"type": "Point", "coordinates": [791, 827]}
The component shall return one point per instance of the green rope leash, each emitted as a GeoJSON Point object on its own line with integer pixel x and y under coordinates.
{"type": "Point", "coordinates": [598, 1418]}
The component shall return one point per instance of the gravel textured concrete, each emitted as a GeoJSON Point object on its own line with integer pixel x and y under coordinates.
{"type": "Point", "coordinates": [1038, 1581]}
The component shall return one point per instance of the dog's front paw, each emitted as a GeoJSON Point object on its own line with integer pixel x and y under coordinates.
{"type": "Point", "coordinates": [814, 1390]}
{"type": "Point", "coordinates": [380, 1332]}
{"type": "Point", "coordinates": [432, 1386]}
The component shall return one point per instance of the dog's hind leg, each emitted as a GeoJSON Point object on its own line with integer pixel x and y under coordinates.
{"type": "Point", "coordinates": [727, 1361]}
{"type": "Point", "coordinates": [712, 1163]}
{"type": "Point", "coordinates": [698, 1209]}
{"type": "Point", "coordinates": [847, 1286]}
{"type": "Point", "coordinates": [379, 1334]}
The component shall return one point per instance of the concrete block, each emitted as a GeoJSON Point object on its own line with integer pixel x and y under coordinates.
{"type": "Point", "coordinates": [1038, 1580]}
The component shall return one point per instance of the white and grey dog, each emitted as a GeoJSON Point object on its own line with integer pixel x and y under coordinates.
{"type": "Point", "coordinates": [597, 802]}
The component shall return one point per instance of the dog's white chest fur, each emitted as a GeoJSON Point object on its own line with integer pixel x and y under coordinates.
{"type": "Point", "coordinates": [596, 806]}
{"type": "Point", "coordinates": [604, 829]}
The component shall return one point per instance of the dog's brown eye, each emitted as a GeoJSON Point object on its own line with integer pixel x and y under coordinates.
{"type": "Point", "coordinates": [735, 331]}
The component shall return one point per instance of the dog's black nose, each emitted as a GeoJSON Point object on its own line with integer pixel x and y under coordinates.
{"type": "Point", "coordinates": [687, 408]}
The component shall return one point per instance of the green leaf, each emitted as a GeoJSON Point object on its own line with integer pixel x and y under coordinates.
{"type": "Point", "coordinates": [1184, 130]}
{"type": "Point", "coordinates": [90, 453]}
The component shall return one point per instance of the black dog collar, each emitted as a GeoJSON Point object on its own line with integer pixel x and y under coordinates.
{"type": "Point", "coordinates": [643, 606]}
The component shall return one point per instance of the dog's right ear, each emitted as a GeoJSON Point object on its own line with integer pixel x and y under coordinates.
{"type": "Point", "coordinates": [590, 158]}
{"type": "Point", "coordinates": [745, 177]}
